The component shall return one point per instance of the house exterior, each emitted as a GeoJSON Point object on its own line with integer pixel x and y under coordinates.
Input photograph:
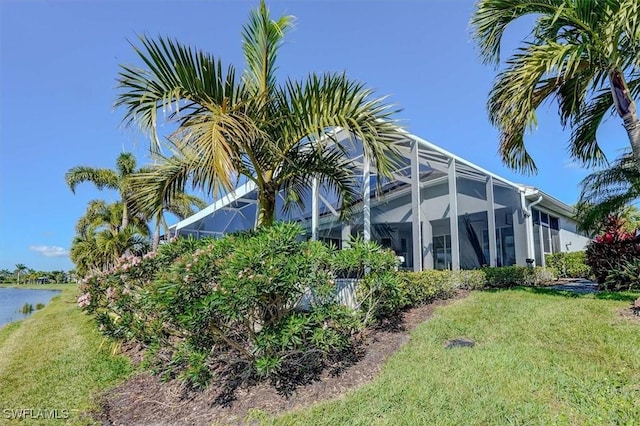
{"type": "Point", "coordinates": [497, 222]}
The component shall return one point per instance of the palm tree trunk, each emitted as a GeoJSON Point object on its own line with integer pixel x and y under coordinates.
{"type": "Point", "coordinates": [632, 125]}
{"type": "Point", "coordinates": [125, 213]}
{"type": "Point", "coordinates": [156, 233]}
{"type": "Point", "coordinates": [267, 206]}
{"type": "Point", "coordinates": [626, 108]}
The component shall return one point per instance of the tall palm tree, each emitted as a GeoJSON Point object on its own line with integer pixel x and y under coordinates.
{"type": "Point", "coordinates": [609, 191]}
{"type": "Point", "coordinates": [103, 215]}
{"type": "Point", "coordinates": [107, 178]}
{"type": "Point", "coordinates": [101, 240]}
{"type": "Point", "coordinates": [231, 129]}
{"type": "Point", "coordinates": [584, 54]}
{"type": "Point", "coordinates": [20, 269]}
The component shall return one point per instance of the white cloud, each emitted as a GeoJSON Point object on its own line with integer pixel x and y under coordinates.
{"type": "Point", "coordinates": [50, 251]}
{"type": "Point", "coordinates": [572, 165]}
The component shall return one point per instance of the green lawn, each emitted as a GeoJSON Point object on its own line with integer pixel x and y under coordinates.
{"type": "Point", "coordinates": [53, 360]}
{"type": "Point", "coordinates": [541, 358]}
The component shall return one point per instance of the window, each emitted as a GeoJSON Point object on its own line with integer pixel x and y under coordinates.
{"type": "Point", "coordinates": [506, 246]}
{"type": "Point", "coordinates": [546, 234]}
{"type": "Point", "coordinates": [442, 252]}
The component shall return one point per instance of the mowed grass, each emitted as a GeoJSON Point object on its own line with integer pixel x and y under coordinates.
{"type": "Point", "coordinates": [53, 360]}
{"type": "Point", "coordinates": [541, 357]}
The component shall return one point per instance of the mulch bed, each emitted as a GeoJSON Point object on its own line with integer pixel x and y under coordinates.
{"type": "Point", "coordinates": [144, 400]}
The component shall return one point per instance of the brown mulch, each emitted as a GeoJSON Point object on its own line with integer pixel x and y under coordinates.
{"type": "Point", "coordinates": [144, 400]}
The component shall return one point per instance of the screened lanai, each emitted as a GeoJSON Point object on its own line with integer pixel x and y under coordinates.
{"type": "Point", "coordinates": [411, 213]}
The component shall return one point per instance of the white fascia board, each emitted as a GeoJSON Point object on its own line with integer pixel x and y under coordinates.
{"type": "Point", "coordinates": [235, 195]}
{"type": "Point", "coordinates": [459, 160]}
{"type": "Point", "coordinates": [549, 201]}
{"type": "Point", "coordinates": [553, 204]}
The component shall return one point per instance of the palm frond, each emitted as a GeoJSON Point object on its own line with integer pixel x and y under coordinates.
{"type": "Point", "coordinates": [261, 40]}
{"type": "Point", "coordinates": [322, 103]}
{"type": "Point", "coordinates": [492, 17]}
{"type": "Point", "coordinates": [608, 191]}
{"type": "Point", "coordinates": [101, 178]}
{"type": "Point", "coordinates": [584, 143]}
{"type": "Point", "coordinates": [534, 74]}
{"type": "Point", "coordinates": [126, 164]}
{"type": "Point", "coordinates": [178, 80]}
{"type": "Point", "coordinates": [184, 205]}
{"type": "Point", "coordinates": [334, 170]}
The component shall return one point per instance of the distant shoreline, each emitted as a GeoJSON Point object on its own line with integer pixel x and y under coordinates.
{"type": "Point", "coordinates": [39, 286]}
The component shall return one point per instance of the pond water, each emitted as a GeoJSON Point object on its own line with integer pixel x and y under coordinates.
{"type": "Point", "coordinates": [13, 299]}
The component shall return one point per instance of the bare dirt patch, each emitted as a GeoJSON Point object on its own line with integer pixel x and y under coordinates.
{"type": "Point", "coordinates": [144, 400]}
{"type": "Point", "coordinates": [629, 314]}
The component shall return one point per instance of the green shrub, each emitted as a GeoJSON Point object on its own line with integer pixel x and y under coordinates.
{"type": "Point", "coordinates": [613, 257]}
{"type": "Point", "coordinates": [510, 276]}
{"type": "Point", "coordinates": [424, 286]}
{"type": "Point", "coordinates": [625, 276]}
{"type": "Point", "coordinates": [378, 290]}
{"type": "Point", "coordinates": [504, 276]}
{"type": "Point", "coordinates": [569, 265]}
{"type": "Point", "coordinates": [473, 279]}
{"type": "Point", "coordinates": [227, 309]}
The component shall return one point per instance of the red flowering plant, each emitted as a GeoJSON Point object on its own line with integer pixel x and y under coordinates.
{"type": "Point", "coordinates": [614, 256]}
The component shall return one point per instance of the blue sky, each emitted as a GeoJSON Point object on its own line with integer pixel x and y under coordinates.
{"type": "Point", "coordinates": [59, 63]}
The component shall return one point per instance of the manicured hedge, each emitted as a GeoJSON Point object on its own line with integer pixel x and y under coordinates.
{"type": "Point", "coordinates": [510, 276]}
{"type": "Point", "coordinates": [569, 265]}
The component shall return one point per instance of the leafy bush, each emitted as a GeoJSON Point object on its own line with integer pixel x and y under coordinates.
{"type": "Point", "coordinates": [378, 292]}
{"type": "Point", "coordinates": [229, 309]}
{"type": "Point", "coordinates": [625, 276]}
{"type": "Point", "coordinates": [474, 279]}
{"type": "Point", "coordinates": [424, 286]}
{"type": "Point", "coordinates": [504, 276]}
{"type": "Point", "coordinates": [613, 257]}
{"type": "Point", "coordinates": [509, 276]}
{"type": "Point", "coordinates": [569, 265]}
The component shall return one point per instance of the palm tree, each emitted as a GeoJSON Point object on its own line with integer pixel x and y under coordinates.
{"type": "Point", "coordinates": [230, 130]}
{"type": "Point", "coordinates": [609, 191]}
{"type": "Point", "coordinates": [32, 275]}
{"type": "Point", "coordinates": [101, 240]}
{"type": "Point", "coordinates": [107, 178]}
{"type": "Point", "coordinates": [20, 269]}
{"type": "Point", "coordinates": [103, 215]}
{"type": "Point", "coordinates": [86, 254]}
{"type": "Point", "coordinates": [181, 205]}
{"type": "Point", "coordinates": [584, 54]}
{"type": "Point", "coordinates": [178, 203]}
{"type": "Point", "coordinates": [59, 277]}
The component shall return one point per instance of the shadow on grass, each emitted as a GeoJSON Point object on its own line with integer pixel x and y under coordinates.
{"type": "Point", "coordinates": [614, 295]}
{"type": "Point", "coordinates": [628, 296]}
